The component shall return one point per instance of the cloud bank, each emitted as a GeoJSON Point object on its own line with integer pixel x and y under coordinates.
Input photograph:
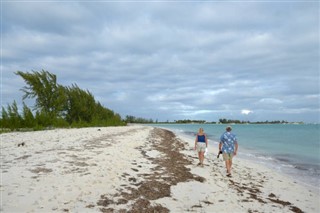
{"type": "Point", "coordinates": [172, 60]}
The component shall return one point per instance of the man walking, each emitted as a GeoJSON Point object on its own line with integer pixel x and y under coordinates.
{"type": "Point", "coordinates": [229, 147]}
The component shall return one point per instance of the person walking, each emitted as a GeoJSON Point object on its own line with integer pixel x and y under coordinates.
{"type": "Point", "coordinates": [200, 144]}
{"type": "Point", "coordinates": [229, 147]}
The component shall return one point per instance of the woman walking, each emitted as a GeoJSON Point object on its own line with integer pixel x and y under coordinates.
{"type": "Point", "coordinates": [200, 144]}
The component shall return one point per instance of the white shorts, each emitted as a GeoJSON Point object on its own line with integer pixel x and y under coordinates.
{"type": "Point", "coordinates": [201, 147]}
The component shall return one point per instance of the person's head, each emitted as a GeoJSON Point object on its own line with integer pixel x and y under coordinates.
{"type": "Point", "coordinates": [228, 128]}
{"type": "Point", "coordinates": [201, 130]}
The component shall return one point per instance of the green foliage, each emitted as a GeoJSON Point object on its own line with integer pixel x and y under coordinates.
{"type": "Point", "coordinates": [43, 119]}
{"type": "Point", "coordinates": [56, 106]}
{"type": "Point", "coordinates": [190, 121]}
{"type": "Point", "coordinates": [80, 106]}
{"type": "Point", "coordinates": [11, 118]}
{"type": "Point", "coordinates": [43, 86]}
{"type": "Point", "coordinates": [4, 118]}
{"type": "Point", "coordinates": [229, 121]}
{"type": "Point", "coordinates": [60, 123]}
{"type": "Point", "coordinates": [107, 116]}
{"type": "Point", "coordinates": [133, 119]}
{"type": "Point", "coordinates": [28, 120]}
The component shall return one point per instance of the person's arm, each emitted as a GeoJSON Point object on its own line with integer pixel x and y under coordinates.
{"type": "Point", "coordinates": [195, 142]}
{"type": "Point", "coordinates": [221, 142]}
{"type": "Point", "coordinates": [236, 148]}
{"type": "Point", "coordinates": [206, 139]}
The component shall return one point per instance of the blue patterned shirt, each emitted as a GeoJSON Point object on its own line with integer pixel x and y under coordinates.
{"type": "Point", "coordinates": [228, 141]}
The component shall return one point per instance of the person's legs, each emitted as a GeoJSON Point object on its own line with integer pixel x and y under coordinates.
{"type": "Point", "coordinates": [201, 158]}
{"type": "Point", "coordinates": [226, 158]}
{"type": "Point", "coordinates": [228, 166]}
{"type": "Point", "coordinates": [199, 153]}
{"type": "Point", "coordinates": [201, 149]}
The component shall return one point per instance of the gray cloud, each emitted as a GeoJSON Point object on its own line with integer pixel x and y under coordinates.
{"type": "Point", "coordinates": [172, 60]}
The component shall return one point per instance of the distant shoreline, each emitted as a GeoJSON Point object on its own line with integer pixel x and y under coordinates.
{"type": "Point", "coordinates": [245, 123]}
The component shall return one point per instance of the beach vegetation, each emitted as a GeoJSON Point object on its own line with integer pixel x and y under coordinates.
{"type": "Point", "coordinates": [231, 121]}
{"type": "Point", "coordinates": [190, 121]}
{"type": "Point", "coordinates": [49, 96]}
{"type": "Point", "coordinates": [28, 119]}
{"type": "Point", "coordinates": [80, 105]}
{"type": "Point", "coordinates": [226, 121]}
{"type": "Point", "coordinates": [56, 106]}
{"type": "Point", "coordinates": [133, 119]}
{"type": "Point", "coordinates": [11, 118]}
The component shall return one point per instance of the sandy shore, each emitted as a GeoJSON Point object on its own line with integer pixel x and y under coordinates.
{"type": "Point", "coordinates": [135, 169]}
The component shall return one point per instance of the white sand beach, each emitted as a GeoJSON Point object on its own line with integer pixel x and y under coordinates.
{"type": "Point", "coordinates": [135, 169]}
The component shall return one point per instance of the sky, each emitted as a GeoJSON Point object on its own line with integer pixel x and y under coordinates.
{"type": "Point", "coordinates": [171, 60]}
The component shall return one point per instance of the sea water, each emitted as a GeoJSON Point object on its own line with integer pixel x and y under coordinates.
{"type": "Point", "coordinates": [292, 149]}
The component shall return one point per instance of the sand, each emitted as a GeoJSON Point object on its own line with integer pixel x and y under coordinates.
{"type": "Point", "coordinates": [135, 169]}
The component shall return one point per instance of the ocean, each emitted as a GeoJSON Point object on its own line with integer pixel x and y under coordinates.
{"type": "Point", "coordinates": [291, 149]}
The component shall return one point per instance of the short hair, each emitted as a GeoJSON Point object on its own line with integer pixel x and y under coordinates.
{"type": "Point", "coordinates": [228, 128]}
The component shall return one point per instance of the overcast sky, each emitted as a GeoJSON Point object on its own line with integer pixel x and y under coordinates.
{"type": "Point", "coordinates": [166, 60]}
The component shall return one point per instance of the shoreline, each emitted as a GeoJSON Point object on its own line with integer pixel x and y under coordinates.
{"type": "Point", "coordinates": [279, 166]}
{"type": "Point", "coordinates": [283, 184]}
{"type": "Point", "coordinates": [134, 169]}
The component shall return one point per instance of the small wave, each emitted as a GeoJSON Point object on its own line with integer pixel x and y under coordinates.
{"type": "Point", "coordinates": [288, 164]}
{"type": "Point", "coordinates": [265, 158]}
{"type": "Point", "coordinates": [301, 168]}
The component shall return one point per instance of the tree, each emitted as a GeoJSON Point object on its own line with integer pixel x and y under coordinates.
{"type": "Point", "coordinates": [80, 105]}
{"type": "Point", "coordinates": [56, 106]}
{"type": "Point", "coordinates": [4, 118]}
{"type": "Point", "coordinates": [50, 97]}
{"type": "Point", "coordinates": [14, 119]}
{"type": "Point", "coordinates": [104, 116]}
{"type": "Point", "coordinates": [28, 119]}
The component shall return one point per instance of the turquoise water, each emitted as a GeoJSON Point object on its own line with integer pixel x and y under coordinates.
{"type": "Point", "coordinates": [290, 148]}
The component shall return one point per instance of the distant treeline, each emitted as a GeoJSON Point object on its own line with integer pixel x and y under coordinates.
{"type": "Point", "coordinates": [133, 119]}
{"type": "Point", "coordinates": [56, 106]}
{"type": "Point", "coordinates": [221, 121]}
{"type": "Point", "coordinates": [190, 121]}
{"type": "Point", "coordinates": [228, 121]}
